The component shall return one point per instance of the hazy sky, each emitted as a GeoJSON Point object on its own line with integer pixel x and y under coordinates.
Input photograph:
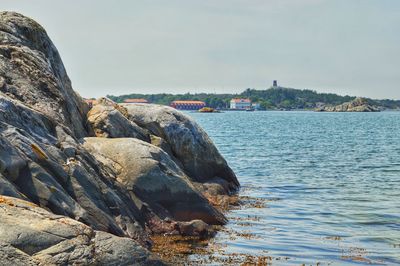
{"type": "Point", "coordinates": [150, 46]}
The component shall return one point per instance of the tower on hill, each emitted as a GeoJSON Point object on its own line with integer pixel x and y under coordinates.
{"type": "Point", "coordinates": [275, 83]}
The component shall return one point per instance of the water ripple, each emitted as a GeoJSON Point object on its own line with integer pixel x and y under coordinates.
{"type": "Point", "coordinates": [330, 181]}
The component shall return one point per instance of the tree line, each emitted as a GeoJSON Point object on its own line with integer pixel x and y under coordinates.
{"type": "Point", "coordinates": [272, 98]}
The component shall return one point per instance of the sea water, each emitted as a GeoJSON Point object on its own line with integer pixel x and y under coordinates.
{"type": "Point", "coordinates": [330, 183]}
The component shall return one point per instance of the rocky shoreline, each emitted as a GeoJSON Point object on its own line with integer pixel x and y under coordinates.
{"type": "Point", "coordinates": [92, 186]}
{"type": "Point", "coordinates": [357, 105]}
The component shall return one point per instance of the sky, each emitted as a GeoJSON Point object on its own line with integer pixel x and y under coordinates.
{"type": "Point", "coordinates": [349, 47]}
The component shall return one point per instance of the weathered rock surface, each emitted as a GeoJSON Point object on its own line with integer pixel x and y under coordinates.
{"type": "Point", "coordinates": [97, 200]}
{"type": "Point", "coordinates": [33, 160]}
{"type": "Point", "coordinates": [357, 105]}
{"type": "Point", "coordinates": [31, 71]}
{"type": "Point", "coordinates": [30, 235]}
{"type": "Point", "coordinates": [109, 122]}
{"type": "Point", "coordinates": [189, 143]}
{"type": "Point", "coordinates": [41, 118]}
{"type": "Point", "coordinates": [151, 175]}
{"type": "Point", "coordinates": [8, 189]}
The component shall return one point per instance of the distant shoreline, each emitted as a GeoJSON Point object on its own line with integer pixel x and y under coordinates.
{"type": "Point", "coordinates": [274, 98]}
{"type": "Point", "coordinates": [298, 110]}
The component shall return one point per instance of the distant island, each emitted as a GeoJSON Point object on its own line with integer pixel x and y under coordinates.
{"type": "Point", "coordinates": [274, 98]}
{"type": "Point", "coordinates": [356, 105]}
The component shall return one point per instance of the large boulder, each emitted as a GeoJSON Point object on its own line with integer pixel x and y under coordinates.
{"type": "Point", "coordinates": [150, 174]}
{"type": "Point", "coordinates": [35, 159]}
{"type": "Point", "coordinates": [189, 143]}
{"type": "Point", "coordinates": [41, 119]}
{"type": "Point", "coordinates": [107, 120]}
{"type": "Point", "coordinates": [101, 194]}
{"type": "Point", "coordinates": [30, 235]}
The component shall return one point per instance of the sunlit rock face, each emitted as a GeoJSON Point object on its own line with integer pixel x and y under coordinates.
{"type": "Point", "coordinates": [189, 143]}
{"type": "Point", "coordinates": [109, 120]}
{"type": "Point", "coordinates": [150, 174]}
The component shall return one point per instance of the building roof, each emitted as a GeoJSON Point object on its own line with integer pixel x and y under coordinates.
{"type": "Point", "coordinates": [238, 100]}
{"type": "Point", "coordinates": [136, 101]}
{"type": "Point", "coordinates": [188, 102]}
{"type": "Point", "coordinates": [90, 101]}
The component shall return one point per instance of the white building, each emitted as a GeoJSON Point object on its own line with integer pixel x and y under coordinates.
{"type": "Point", "coordinates": [256, 106]}
{"type": "Point", "coordinates": [240, 104]}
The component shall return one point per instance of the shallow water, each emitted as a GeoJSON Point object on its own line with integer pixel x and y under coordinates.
{"type": "Point", "coordinates": [330, 183]}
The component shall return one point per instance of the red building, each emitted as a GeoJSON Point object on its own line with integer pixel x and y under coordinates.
{"type": "Point", "coordinates": [90, 102]}
{"type": "Point", "coordinates": [188, 105]}
{"type": "Point", "coordinates": [136, 101]}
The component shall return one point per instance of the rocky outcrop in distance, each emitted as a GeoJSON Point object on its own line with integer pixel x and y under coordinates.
{"type": "Point", "coordinates": [80, 186]}
{"type": "Point", "coordinates": [357, 105]}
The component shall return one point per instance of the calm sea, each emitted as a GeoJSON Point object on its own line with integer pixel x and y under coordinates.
{"type": "Point", "coordinates": [330, 183]}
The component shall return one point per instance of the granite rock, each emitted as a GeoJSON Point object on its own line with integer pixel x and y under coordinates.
{"type": "Point", "coordinates": [69, 198]}
{"type": "Point", "coordinates": [151, 175]}
{"type": "Point", "coordinates": [189, 143]}
{"type": "Point", "coordinates": [109, 121]}
{"type": "Point", "coordinates": [30, 235]}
